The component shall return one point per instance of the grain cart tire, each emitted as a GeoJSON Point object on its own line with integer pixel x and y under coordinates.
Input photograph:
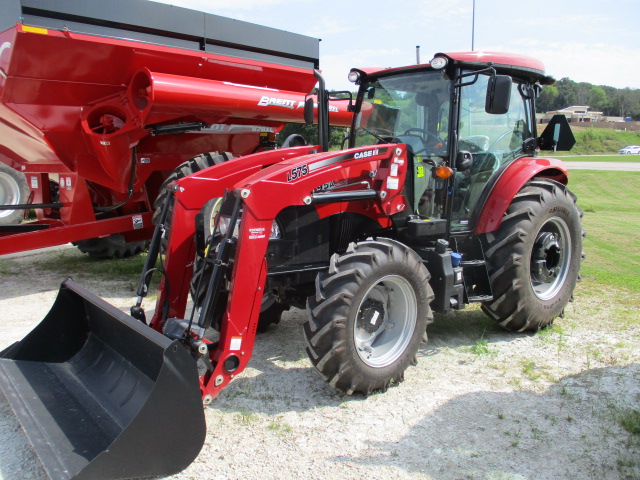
{"type": "Point", "coordinates": [369, 316]}
{"type": "Point", "coordinates": [534, 257]}
{"type": "Point", "coordinates": [13, 191]}
{"type": "Point", "coordinates": [193, 165]}
{"type": "Point", "coordinates": [115, 245]}
{"type": "Point", "coordinates": [109, 247]}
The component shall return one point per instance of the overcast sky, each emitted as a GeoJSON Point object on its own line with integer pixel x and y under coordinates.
{"type": "Point", "coordinates": [586, 40]}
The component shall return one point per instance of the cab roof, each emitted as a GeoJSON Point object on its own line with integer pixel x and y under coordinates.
{"type": "Point", "coordinates": [505, 63]}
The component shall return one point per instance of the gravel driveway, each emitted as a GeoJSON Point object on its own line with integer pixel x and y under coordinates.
{"type": "Point", "coordinates": [482, 403]}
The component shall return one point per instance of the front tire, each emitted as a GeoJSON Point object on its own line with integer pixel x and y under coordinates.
{"type": "Point", "coordinates": [369, 316]}
{"type": "Point", "coordinates": [534, 257]}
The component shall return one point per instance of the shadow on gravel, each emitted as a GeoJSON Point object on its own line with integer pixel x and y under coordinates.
{"type": "Point", "coordinates": [464, 329]}
{"type": "Point", "coordinates": [279, 358]}
{"type": "Point", "coordinates": [573, 430]}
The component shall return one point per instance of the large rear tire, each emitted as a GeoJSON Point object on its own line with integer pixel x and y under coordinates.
{"type": "Point", "coordinates": [369, 316]}
{"type": "Point", "coordinates": [534, 257]}
{"type": "Point", "coordinates": [13, 191]}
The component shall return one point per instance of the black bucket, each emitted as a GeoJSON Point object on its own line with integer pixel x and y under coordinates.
{"type": "Point", "coordinates": [101, 395]}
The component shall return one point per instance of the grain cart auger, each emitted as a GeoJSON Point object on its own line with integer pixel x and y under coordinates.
{"type": "Point", "coordinates": [440, 201]}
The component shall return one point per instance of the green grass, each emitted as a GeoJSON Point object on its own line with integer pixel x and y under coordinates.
{"type": "Point", "coordinates": [74, 264]}
{"type": "Point", "coordinates": [606, 141]}
{"type": "Point", "coordinates": [612, 222]}
{"type": "Point", "coordinates": [480, 348]}
{"type": "Point", "coordinates": [599, 158]}
{"type": "Point", "coordinates": [114, 269]}
{"type": "Point", "coordinates": [630, 421]}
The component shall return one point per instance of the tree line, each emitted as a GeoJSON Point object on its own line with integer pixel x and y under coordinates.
{"type": "Point", "coordinates": [613, 102]}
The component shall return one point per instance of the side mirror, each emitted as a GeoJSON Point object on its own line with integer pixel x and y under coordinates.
{"type": "Point", "coordinates": [498, 94]}
{"type": "Point", "coordinates": [464, 160]}
{"type": "Point", "coordinates": [309, 106]}
{"type": "Point", "coordinates": [557, 135]}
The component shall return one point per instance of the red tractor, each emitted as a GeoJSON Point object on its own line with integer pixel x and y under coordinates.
{"type": "Point", "coordinates": [439, 201]}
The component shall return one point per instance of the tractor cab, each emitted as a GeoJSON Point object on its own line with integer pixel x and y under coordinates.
{"type": "Point", "coordinates": [462, 124]}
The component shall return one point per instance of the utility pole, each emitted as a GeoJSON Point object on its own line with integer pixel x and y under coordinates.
{"type": "Point", "coordinates": [473, 26]}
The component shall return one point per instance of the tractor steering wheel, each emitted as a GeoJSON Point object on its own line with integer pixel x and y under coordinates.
{"type": "Point", "coordinates": [426, 133]}
{"type": "Point", "coordinates": [497, 141]}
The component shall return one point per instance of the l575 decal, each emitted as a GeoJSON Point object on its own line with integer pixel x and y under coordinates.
{"type": "Point", "coordinates": [297, 172]}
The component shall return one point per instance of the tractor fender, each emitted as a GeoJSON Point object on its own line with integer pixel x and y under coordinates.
{"type": "Point", "coordinates": [511, 182]}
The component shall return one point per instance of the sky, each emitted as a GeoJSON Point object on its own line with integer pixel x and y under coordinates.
{"type": "Point", "coordinates": [593, 41]}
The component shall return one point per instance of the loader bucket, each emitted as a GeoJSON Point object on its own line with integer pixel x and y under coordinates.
{"type": "Point", "coordinates": [101, 395]}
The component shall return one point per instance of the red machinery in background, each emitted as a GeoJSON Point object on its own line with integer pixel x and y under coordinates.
{"type": "Point", "coordinates": [99, 102]}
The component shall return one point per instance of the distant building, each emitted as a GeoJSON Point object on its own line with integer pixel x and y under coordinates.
{"type": "Point", "coordinates": [579, 113]}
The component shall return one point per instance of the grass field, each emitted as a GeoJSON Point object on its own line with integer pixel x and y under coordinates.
{"type": "Point", "coordinates": [597, 158]}
{"type": "Point", "coordinates": [602, 141]}
{"type": "Point", "coordinates": [612, 221]}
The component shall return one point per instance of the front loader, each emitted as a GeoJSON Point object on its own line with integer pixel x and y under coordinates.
{"type": "Point", "coordinates": [439, 201]}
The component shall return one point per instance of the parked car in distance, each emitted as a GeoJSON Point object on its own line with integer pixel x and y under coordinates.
{"type": "Point", "coordinates": [630, 150]}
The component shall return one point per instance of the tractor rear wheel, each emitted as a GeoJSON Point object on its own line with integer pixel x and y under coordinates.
{"type": "Point", "coordinates": [369, 316]}
{"type": "Point", "coordinates": [534, 257]}
{"type": "Point", "coordinates": [13, 191]}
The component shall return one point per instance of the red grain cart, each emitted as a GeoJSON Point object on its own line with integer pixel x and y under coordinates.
{"type": "Point", "coordinates": [100, 101]}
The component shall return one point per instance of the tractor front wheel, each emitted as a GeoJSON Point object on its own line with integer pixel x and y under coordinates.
{"type": "Point", "coordinates": [369, 316]}
{"type": "Point", "coordinates": [534, 257]}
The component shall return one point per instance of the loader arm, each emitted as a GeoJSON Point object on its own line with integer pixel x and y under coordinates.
{"type": "Point", "coordinates": [191, 193]}
{"type": "Point", "coordinates": [263, 195]}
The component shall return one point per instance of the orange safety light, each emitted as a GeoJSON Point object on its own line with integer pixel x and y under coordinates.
{"type": "Point", "coordinates": [444, 172]}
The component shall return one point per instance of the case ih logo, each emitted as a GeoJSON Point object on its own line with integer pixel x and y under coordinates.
{"type": "Point", "coordinates": [365, 154]}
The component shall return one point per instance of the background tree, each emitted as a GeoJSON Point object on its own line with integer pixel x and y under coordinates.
{"type": "Point", "coordinates": [597, 99]}
{"type": "Point", "coordinates": [613, 102]}
{"type": "Point", "coordinates": [547, 99]}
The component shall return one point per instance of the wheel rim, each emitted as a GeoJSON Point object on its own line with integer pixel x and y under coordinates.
{"type": "Point", "coordinates": [385, 321]}
{"type": "Point", "coordinates": [9, 193]}
{"type": "Point", "coordinates": [550, 258]}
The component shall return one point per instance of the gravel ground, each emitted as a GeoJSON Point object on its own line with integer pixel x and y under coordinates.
{"type": "Point", "coordinates": [482, 403]}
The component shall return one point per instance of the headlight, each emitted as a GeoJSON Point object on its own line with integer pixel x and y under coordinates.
{"type": "Point", "coordinates": [211, 210]}
{"type": "Point", "coordinates": [354, 76]}
{"type": "Point", "coordinates": [438, 63]}
{"type": "Point", "coordinates": [223, 226]}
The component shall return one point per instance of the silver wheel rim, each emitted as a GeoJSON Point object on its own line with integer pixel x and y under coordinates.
{"type": "Point", "coordinates": [385, 321]}
{"type": "Point", "coordinates": [550, 258]}
{"type": "Point", "coordinates": [9, 193]}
